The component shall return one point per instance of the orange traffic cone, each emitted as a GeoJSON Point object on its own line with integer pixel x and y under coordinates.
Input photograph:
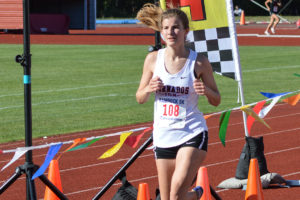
{"type": "Point", "coordinates": [254, 188]}
{"type": "Point", "coordinates": [54, 177]}
{"type": "Point", "coordinates": [298, 23]}
{"type": "Point", "coordinates": [202, 180]}
{"type": "Point", "coordinates": [143, 192]}
{"type": "Point", "coordinates": [242, 20]}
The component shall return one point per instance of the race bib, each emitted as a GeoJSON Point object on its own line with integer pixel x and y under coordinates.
{"type": "Point", "coordinates": [172, 112]}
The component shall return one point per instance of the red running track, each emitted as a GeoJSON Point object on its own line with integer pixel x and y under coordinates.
{"type": "Point", "coordinates": [83, 175]}
{"type": "Point", "coordinates": [286, 35]}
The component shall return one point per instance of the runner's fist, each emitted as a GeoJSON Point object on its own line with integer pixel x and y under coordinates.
{"type": "Point", "coordinates": [199, 87]}
{"type": "Point", "coordinates": [155, 84]}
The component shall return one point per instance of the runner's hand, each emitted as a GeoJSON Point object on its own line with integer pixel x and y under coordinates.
{"type": "Point", "coordinates": [199, 87]}
{"type": "Point", "coordinates": [155, 84]}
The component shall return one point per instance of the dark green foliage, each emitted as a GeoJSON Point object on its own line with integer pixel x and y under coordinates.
{"type": "Point", "coordinates": [119, 8]}
{"type": "Point", "coordinates": [129, 8]}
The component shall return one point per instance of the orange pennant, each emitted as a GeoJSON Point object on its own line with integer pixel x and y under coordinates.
{"type": "Point", "coordinates": [293, 100]}
{"type": "Point", "coordinates": [207, 116]}
{"type": "Point", "coordinates": [75, 142]}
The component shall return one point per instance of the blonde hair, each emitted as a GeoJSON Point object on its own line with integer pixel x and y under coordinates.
{"type": "Point", "coordinates": [152, 16]}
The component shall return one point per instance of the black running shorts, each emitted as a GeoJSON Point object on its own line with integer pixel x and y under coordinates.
{"type": "Point", "coordinates": [199, 141]}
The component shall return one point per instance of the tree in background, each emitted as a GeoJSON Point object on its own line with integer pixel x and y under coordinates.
{"type": "Point", "coordinates": [119, 8]}
{"type": "Point", "coordinates": [129, 8]}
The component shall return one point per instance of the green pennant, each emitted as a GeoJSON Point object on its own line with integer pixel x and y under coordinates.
{"type": "Point", "coordinates": [224, 118]}
{"type": "Point", "coordinates": [85, 144]}
{"type": "Point", "coordinates": [297, 74]}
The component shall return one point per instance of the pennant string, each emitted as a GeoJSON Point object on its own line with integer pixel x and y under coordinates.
{"type": "Point", "coordinates": [267, 109]}
{"type": "Point", "coordinates": [69, 142]}
{"type": "Point", "coordinates": [133, 140]}
{"type": "Point", "coordinates": [250, 112]}
{"type": "Point", "coordinates": [75, 143]}
{"type": "Point", "coordinates": [273, 95]}
{"type": "Point", "coordinates": [250, 120]}
{"type": "Point", "coordinates": [85, 144]}
{"type": "Point", "coordinates": [50, 155]}
{"type": "Point", "coordinates": [112, 151]}
{"type": "Point", "coordinates": [293, 100]}
{"type": "Point", "coordinates": [17, 155]}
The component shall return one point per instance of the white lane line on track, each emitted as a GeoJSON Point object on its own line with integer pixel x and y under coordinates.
{"type": "Point", "coordinates": [116, 184]}
{"type": "Point", "coordinates": [148, 155]}
{"type": "Point", "coordinates": [286, 175]}
{"type": "Point", "coordinates": [268, 36]}
{"type": "Point", "coordinates": [66, 100]}
{"type": "Point", "coordinates": [121, 128]}
{"type": "Point", "coordinates": [77, 134]}
{"type": "Point", "coordinates": [210, 144]}
{"type": "Point", "coordinates": [269, 153]}
{"type": "Point", "coordinates": [264, 134]}
{"type": "Point", "coordinates": [142, 125]}
{"type": "Point", "coordinates": [70, 89]}
{"type": "Point", "coordinates": [272, 68]}
{"type": "Point", "coordinates": [266, 119]}
{"type": "Point", "coordinates": [148, 178]}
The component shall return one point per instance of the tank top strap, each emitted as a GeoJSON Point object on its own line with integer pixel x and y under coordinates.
{"type": "Point", "coordinates": [192, 60]}
{"type": "Point", "coordinates": [159, 62]}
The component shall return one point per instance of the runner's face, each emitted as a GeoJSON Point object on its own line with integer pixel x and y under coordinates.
{"type": "Point", "coordinates": [173, 31]}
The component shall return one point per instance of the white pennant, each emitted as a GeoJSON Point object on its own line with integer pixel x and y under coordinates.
{"type": "Point", "coordinates": [267, 109]}
{"type": "Point", "coordinates": [19, 152]}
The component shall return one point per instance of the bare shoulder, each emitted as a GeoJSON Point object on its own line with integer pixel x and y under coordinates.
{"type": "Point", "coordinates": [150, 61]}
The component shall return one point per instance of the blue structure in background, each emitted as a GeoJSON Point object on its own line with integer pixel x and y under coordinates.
{"type": "Point", "coordinates": [118, 21]}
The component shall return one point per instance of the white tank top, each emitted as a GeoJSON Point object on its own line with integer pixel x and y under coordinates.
{"type": "Point", "coordinates": [176, 115]}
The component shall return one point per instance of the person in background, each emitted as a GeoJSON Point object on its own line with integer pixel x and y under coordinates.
{"type": "Point", "coordinates": [237, 11]}
{"type": "Point", "coordinates": [178, 77]}
{"type": "Point", "coordinates": [274, 9]}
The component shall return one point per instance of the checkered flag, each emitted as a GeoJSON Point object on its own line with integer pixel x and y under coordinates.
{"type": "Point", "coordinates": [216, 45]}
{"type": "Point", "coordinates": [212, 33]}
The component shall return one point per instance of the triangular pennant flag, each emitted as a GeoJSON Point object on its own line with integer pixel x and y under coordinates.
{"type": "Point", "coordinates": [75, 143]}
{"type": "Point", "coordinates": [133, 140]}
{"type": "Point", "coordinates": [85, 144]}
{"type": "Point", "coordinates": [207, 116]}
{"type": "Point", "coordinates": [297, 74]}
{"type": "Point", "coordinates": [250, 112]}
{"type": "Point", "coordinates": [115, 148]}
{"type": "Point", "coordinates": [50, 155]}
{"type": "Point", "coordinates": [223, 123]}
{"type": "Point", "coordinates": [257, 108]}
{"type": "Point", "coordinates": [19, 152]}
{"type": "Point", "coordinates": [293, 100]}
{"type": "Point", "coordinates": [272, 95]}
{"type": "Point", "coordinates": [267, 109]}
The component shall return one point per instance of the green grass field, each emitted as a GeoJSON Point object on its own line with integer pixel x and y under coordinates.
{"type": "Point", "coordinates": [82, 87]}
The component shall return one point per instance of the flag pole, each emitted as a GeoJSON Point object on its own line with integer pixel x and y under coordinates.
{"type": "Point", "coordinates": [236, 58]}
